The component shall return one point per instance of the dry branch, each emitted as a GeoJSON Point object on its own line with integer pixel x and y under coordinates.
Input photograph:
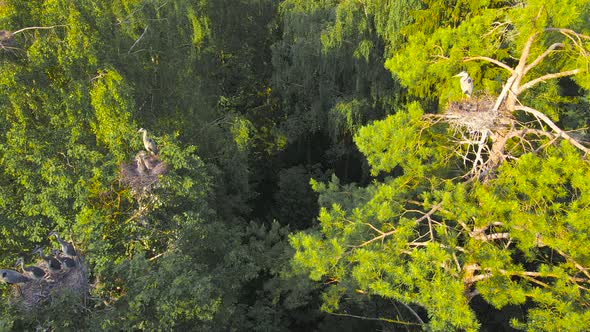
{"type": "Point", "coordinates": [539, 115]}
{"type": "Point", "coordinates": [542, 56]}
{"type": "Point", "coordinates": [488, 59]}
{"type": "Point", "coordinates": [544, 78]}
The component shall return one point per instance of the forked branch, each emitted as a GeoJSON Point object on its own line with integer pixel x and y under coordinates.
{"type": "Point", "coordinates": [542, 117]}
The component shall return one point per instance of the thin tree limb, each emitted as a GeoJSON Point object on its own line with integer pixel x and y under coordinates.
{"type": "Point", "coordinates": [526, 50]}
{"type": "Point", "coordinates": [138, 39]}
{"type": "Point", "coordinates": [542, 56]}
{"type": "Point", "coordinates": [376, 319]}
{"type": "Point", "coordinates": [35, 28]}
{"type": "Point", "coordinates": [413, 312]}
{"type": "Point", "coordinates": [553, 126]}
{"type": "Point", "coordinates": [386, 234]}
{"type": "Point", "coordinates": [504, 93]}
{"type": "Point", "coordinates": [488, 59]}
{"type": "Point", "coordinates": [576, 264]}
{"type": "Point", "coordinates": [488, 237]}
{"type": "Point", "coordinates": [568, 31]}
{"type": "Point", "coordinates": [544, 78]}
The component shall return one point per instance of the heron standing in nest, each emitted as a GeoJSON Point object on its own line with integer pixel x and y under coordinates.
{"type": "Point", "coordinates": [148, 143]}
{"type": "Point", "coordinates": [466, 83]}
{"type": "Point", "coordinates": [66, 247]}
{"type": "Point", "coordinates": [34, 272]}
{"type": "Point", "coordinates": [53, 264]}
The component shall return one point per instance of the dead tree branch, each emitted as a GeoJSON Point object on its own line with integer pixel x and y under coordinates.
{"type": "Point", "coordinates": [488, 59]}
{"type": "Point", "coordinates": [544, 78]}
{"type": "Point", "coordinates": [542, 56]}
{"type": "Point", "coordinates": [37, 28]}
{"type": "Point", "coordinates": [539, 115]}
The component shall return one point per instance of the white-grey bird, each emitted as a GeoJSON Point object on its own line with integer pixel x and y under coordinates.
{"type": "Point", "coordinates": [140, 165]}
{"type": "Point", "coordinates": [34, 272]}
{"type": "Point", "coordinates": [148, 143]}
{"type": "Point", "coordinates": [12, 277]}
{"type": "Point", "coordinates": [466, 83]}
{"type": "Point", "coordinates": [66, 247]}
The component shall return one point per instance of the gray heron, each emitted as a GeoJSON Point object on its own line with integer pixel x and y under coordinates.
{"type": "Point", "coordinates": [34, 272]}
{"type": "Point", "coordinates": [67, 262]}
{"type": "Point", "coordinates": [12, 277]}
{"type": "Point", "coordinates": [148, 143]}
{"type": "Point", "coordinates": [66, 247]}
{"type": "Point", "coordinates": [52, 264]}
{"type": "Point", "coordinates": [466, 83]}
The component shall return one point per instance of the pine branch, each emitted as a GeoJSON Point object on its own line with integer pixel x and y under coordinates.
{"type": "Point", "coordinates": [386, 234]}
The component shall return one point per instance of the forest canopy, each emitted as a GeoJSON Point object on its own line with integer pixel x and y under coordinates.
{"type": "Point", "coordinates": [295, 165]}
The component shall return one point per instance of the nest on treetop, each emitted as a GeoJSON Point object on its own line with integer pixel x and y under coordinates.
{"type": "Point", "coordinates": [474, 114]}
{"type": "Point", "coordinates": [143, 173]}
{"type": "Point", "coordinates": [35, 293]}
{"type": "Point", "coordinates": [6, 39]}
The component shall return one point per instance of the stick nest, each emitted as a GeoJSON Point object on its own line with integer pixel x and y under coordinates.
{"type": "Point", "coordinates": [35, 293]}
{"type": "Point", "coordinates": [143, 173]}
{"type": "Point", "coordinates": [474, 114]}
{"type": "Point", "coordinates": [6, 39]}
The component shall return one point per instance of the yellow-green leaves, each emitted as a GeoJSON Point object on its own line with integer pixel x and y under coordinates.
{"type": "Point", "coordinates": [111, 101]}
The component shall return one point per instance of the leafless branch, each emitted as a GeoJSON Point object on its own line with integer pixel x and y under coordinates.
{"type": "Point", "coordinates": [488, 59]}
{"type": "Point", "coordinates": [542, 56]}
{"type": "Point", "coordinates": [569, 31]}
{"type": "Point", "coordinates": [553, 126]}
{"type": "Point", "coordinates": [387, 320]}
{"type": "Point", "coordinates": [526, 50]}
{"type": "Point", "coordinates": [493, 236]}
{"type": "Point", "coordinates": [576, 264]}
{"type": "Point", "coordinates": [37, 28]}
{"type": "Point", "coordinates": [545, 78]}
{"type": "Point", "coordinates": [138, 39]}
{"type": "Point", "coordinates": [504, 93]}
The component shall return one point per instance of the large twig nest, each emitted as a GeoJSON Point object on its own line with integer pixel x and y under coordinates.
{"type": "Point", "coordinates": [35, 293]}
{"type": "Point", "coordinates": [6, 39]}
{"type": "Point", "coordinates": [143, 173]}
{"type": "Point", "coordinates": [474, 114]}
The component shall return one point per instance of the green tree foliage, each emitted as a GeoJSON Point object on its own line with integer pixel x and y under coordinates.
{"type": "Point", "coordinates": [74, 95]}
{"type": "Point", "coordinates": [248, 101]}
{"type": "Point", "coordinates": [431, 235]}
{"type": "Point", "coordinates": [329, 72]}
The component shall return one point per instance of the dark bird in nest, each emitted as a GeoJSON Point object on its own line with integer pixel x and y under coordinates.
{"type": "Point", "coordinates": [66, 247]}
{"type": "Point", "coordinates": [34, 272]}
{"type": "Point", "coordinates": [12, 277]}
{"type": "Point", "coordinates": [52, 263]}
{"type": "Point", "coordinates": [67, 262]}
